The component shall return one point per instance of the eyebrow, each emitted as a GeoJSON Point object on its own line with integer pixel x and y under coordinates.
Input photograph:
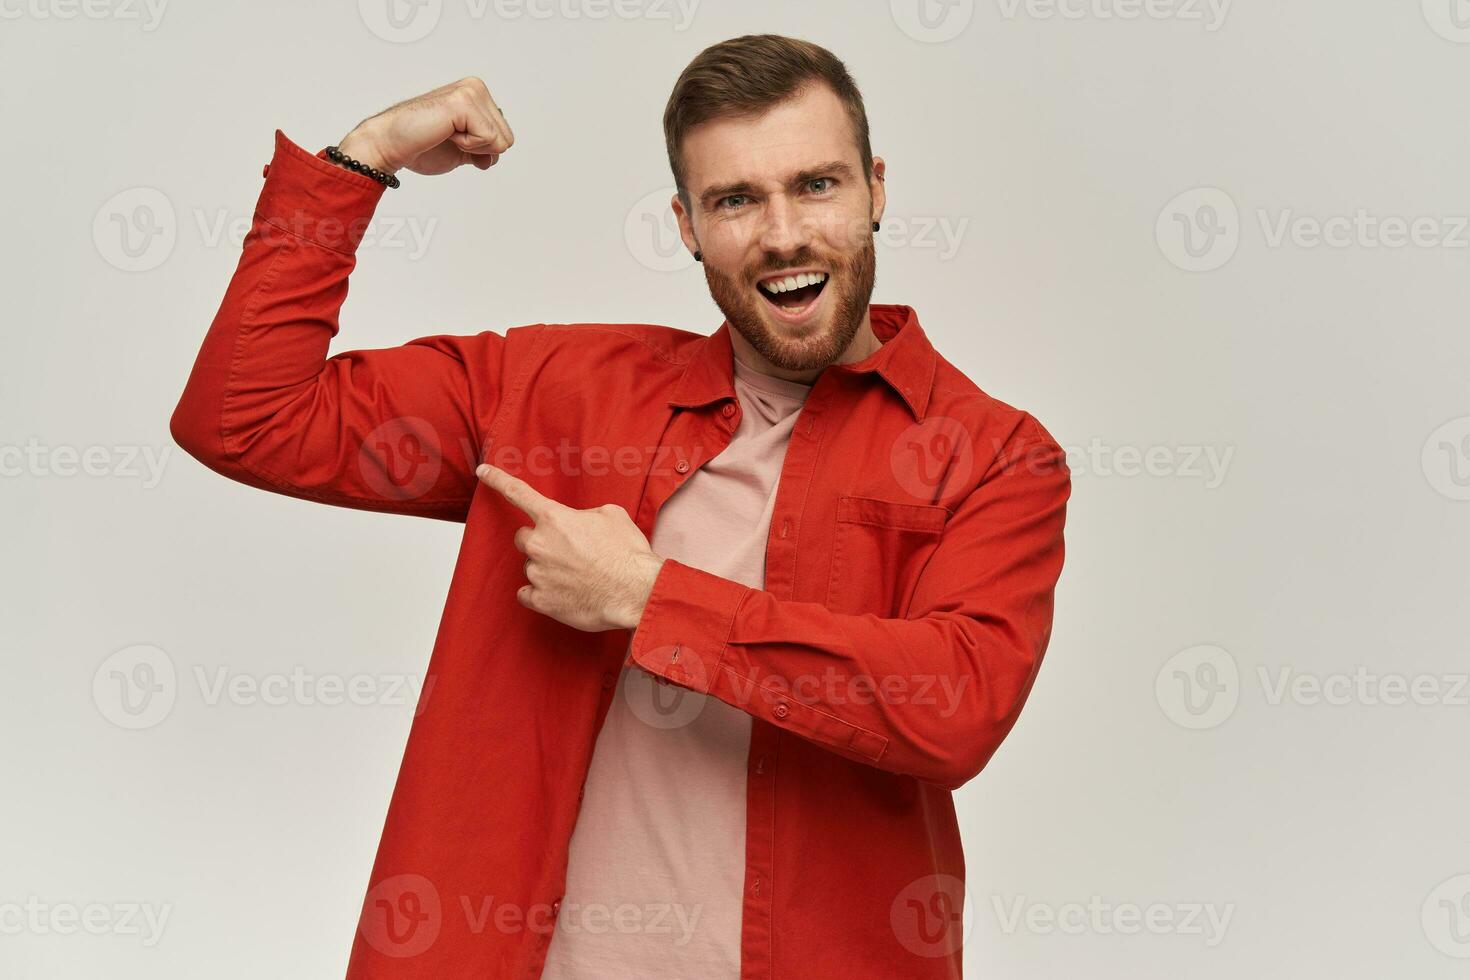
{"type": "Point", "coordinates": [835, 168]}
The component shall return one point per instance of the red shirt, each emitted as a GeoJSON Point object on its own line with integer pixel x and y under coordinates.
{"type": "Point", "coordinates": [913, 555]}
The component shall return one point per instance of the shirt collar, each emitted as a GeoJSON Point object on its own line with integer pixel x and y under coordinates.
{"type": "Point", "coordinates": [906, 361]}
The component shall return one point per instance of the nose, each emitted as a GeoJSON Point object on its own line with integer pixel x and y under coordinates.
{"type": "Point", "coordinates": [783, 230]}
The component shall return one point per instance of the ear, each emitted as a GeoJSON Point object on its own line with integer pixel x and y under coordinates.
{"type": "Point", "coordinates": [686, 224]}
{"type": "Point", "coordinates": [875, 188]}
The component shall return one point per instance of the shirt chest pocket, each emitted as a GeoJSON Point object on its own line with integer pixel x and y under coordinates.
{"type": "Point", "coordinates": [879, 548]}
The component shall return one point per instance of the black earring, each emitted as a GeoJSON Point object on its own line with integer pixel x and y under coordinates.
{"type": "Point", "coordinates": [698, 256]}
{"type": "Point", "coordinates": [875, 226]}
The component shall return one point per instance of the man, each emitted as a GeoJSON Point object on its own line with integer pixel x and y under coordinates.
{"type": "Point", "coordinates": [733, 615]}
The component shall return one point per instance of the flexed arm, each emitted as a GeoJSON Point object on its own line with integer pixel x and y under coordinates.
{"type": "Point", "coordinates": [395, 429]}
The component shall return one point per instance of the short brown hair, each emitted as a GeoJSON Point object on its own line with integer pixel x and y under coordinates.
{"type": "Point", "coordinates": [746, 76]}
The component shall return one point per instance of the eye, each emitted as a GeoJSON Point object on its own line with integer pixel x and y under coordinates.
{"type": "Point", "coordinates": [724, 204]}
{"type": "Point", "coordinates": [826, 181]}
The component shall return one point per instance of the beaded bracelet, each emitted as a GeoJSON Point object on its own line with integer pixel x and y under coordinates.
{"type": "Point", "coordinates": [337, 156]}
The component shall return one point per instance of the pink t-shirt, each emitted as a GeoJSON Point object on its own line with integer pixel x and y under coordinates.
{"type": "Point", "coordinates": [656, 872]}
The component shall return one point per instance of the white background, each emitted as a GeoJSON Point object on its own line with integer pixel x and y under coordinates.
{"type": "Point", "coordinates": [1036, 160]}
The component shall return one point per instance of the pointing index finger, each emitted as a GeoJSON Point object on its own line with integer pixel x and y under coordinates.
{"type": "Point", "coordinates": [520, 493]}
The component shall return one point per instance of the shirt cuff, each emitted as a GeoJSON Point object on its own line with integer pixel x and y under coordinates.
{"type": "Point", "coordinates": [686, 625]}
{"type": "Point", "coordinates": [316, 200]}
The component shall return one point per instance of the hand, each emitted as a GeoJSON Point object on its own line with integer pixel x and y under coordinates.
{"type": "Point", "coordinates": [435, 132]}
{"type": "Point", "coordinates": [590, 569]}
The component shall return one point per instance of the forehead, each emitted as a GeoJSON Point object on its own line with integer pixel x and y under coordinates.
{"type": "Point", "coordinates": [809, 127]}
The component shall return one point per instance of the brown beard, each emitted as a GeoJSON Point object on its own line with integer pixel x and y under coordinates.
{"type": "Point", "coordinates": [853, 279]}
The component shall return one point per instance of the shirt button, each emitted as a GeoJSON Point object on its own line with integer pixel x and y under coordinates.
{"type": "Point", "coordinates": [608, 679]}
{"type": "Point", "coordinates": [782, 711]}
{"type": "Point", "coordinates": [556, 906]}
{"type": "Point", "coordinates": [728, 410]}
{"type": "Point", "coordinates": [682, 466]}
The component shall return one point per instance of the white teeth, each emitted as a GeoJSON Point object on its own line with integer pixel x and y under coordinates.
{"type": "Point", "coordinates": [793, 282]}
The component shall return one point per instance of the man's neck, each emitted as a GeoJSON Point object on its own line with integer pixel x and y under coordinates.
{"type": "Point", "coordinates": [864, 342]}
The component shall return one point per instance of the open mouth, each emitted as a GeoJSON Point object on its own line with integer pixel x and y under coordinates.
{"type": "Point", "coordinates": [793, 296]}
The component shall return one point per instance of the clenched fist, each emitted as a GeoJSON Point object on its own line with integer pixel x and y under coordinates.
{"type": "Point", "coordinates": [590, 569]}
{"type": "Point", "coordinates": [435, 132]}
